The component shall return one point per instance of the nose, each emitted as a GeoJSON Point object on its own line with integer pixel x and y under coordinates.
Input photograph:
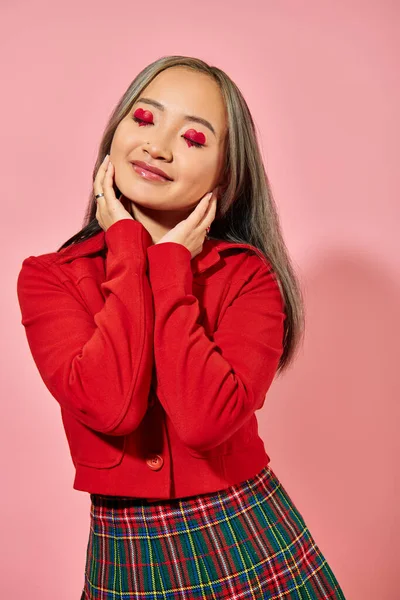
{"type": "Point", "coordinates": [159, 150]}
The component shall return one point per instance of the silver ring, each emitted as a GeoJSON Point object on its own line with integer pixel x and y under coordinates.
{"type": "Point", "coordinates": [99, 196]}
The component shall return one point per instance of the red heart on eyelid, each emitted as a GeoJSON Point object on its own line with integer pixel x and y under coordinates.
{"type": "Point", "coordinates": [143, 114]}
{"type": "Point", "coordinates": [196, 136]}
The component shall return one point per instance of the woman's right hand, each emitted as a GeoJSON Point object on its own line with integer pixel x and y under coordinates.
{"type": "Point", "coordinates": [109, 208]}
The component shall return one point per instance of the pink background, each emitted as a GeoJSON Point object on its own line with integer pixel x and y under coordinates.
{"type": "Point", "coordinates": [319, 78]}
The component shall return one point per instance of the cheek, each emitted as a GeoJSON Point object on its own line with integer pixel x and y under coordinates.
{"type": "Point", "coordinates": [202, 159]}
{"type": "Point", "coordinates": [124, 137]}
{"type": "Point", "coordinates": [201, 169]}
{"type": "Point", "coordinates": [196, 177]}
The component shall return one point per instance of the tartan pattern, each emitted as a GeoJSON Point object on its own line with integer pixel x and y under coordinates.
{"type": "Point", "coordinates": [245, 542]}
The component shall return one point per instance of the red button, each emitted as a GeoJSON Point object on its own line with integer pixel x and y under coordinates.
{"type": "Point", "coordinates": [155, 462]}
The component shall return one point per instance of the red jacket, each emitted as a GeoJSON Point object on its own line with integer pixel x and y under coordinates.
{"type": "Point", "coordinates": [157, 360]}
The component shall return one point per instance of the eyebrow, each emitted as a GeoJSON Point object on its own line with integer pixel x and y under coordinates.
{"type": "Point", "coordinates": [185, 117]}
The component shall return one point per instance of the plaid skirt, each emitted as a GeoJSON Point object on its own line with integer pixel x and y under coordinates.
{"type": "Point", "coordinates": [245, 542]}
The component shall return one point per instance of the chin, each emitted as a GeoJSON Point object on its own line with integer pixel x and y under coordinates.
{"type": "Point", "coordinates": [145, 200]}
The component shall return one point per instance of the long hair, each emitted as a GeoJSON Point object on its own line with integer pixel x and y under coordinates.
{"type": "Point", "coordinates": [246, 209]}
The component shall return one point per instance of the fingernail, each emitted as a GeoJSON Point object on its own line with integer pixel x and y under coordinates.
{"type": "Point", "coordinates": [106, 157]}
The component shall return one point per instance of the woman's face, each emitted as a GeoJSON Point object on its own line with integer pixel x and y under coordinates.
{"type": "Point", "coordinates": [162, 130]}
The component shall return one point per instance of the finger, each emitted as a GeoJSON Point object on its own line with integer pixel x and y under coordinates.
{"type": "Point", "coordinates": [105, 200]}
{"type": "Point", "coordinates": [204, 202]}
{"type": "Point", "coordinates": [108, 189]}
{"type": "Point", "coordinates": [100, 195]}
{"type": "Point", "coordinates": [98, 180]}
{"type": "Point", "coordinates": [103, 168]}
{"type": "Point", "coordinates": [197, 214]}
{"type": "Point", "coordinates": [209, 214]}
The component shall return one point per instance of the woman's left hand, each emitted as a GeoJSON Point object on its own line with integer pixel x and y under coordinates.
{"type": "Point", "coordinates": [192, 231]}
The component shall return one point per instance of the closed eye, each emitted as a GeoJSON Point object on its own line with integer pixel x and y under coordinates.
{"type": "Point", "coordinates": [189, 140]}
{"type": "Point", "coordinates": [141, 121]}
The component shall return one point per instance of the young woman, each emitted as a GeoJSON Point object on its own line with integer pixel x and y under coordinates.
{"type": "Point", "coordinates": [159, 328]}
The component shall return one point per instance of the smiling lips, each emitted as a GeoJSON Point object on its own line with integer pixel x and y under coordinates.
{"type": "Point", "coordinates": [149, 172]}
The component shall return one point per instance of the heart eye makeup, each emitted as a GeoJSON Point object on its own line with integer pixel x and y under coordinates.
{"type": "Point", "coordinates": [192, 137]}
{"type": "Point", "coordinates": [143, 116]}
{"type": "Point", "coordinates": [195, 137]}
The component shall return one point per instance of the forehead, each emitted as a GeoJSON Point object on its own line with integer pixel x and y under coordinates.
{"type": "Point", "coordinates": [184, 91]}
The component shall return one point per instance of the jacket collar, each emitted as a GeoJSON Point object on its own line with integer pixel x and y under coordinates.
{"type": "Point", "coordinates": [209, 256]}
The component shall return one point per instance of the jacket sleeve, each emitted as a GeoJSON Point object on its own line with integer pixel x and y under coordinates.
{"type": "Point", "coordinates": [210, 387]}
{"type": "Point", "coordinates": [99, 367]}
